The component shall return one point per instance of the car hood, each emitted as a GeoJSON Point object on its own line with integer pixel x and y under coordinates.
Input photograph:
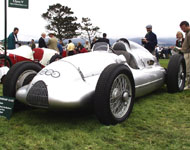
{"type": "Point", "coordinates": [92, 63]}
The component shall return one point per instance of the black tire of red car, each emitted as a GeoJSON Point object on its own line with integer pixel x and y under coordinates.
{"type": "Point", "coordinates": [176, 74]}
{"type": "Point", "coordinates": [8, 60]}
{"type": "Point", "coordinates": [24, 72]}
{"type": "Point", "coordinates": [55, 58]}
{"type": "Point", "coordinates": [109, 89]}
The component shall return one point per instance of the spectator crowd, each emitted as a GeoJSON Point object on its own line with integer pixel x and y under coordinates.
{"type": "Point", "coordinates": [150, 42]}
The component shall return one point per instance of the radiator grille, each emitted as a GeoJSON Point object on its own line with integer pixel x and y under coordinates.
{"type": "Point", "coordinates": [38, 95]}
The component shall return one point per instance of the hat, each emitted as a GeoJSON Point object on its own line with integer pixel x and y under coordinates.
{"type": "Point", "coordinates": [51, 33]}
{"type": "Point", "coordinates": [149, 26]}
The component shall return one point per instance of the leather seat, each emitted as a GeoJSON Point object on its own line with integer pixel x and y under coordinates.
{"type": "Point", "coordinates": [38, 54]}
{"type": "Point", "coordinates": [120, 49]}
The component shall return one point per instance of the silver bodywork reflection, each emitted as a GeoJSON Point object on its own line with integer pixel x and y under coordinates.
{"type": "Point", "coordinates": [70, 82]}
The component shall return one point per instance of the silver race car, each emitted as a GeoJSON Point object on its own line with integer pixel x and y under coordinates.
{"type": "Point", "coordinates": [108, 78]}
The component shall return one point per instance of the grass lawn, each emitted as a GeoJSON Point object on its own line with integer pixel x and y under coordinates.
{"type": "Point", "coordinates": [159, 121]}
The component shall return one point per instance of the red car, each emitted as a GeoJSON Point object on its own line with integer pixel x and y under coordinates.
{"type": "Point", "coordinates": [25, 53]}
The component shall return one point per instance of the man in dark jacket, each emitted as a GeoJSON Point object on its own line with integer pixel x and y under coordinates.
{"type": "Point", "coordinates": [42, 43]}
{"type": "Point", "coordinates": [104, 39]}
{"type": "Point", "coordinates": [150, 40]}
{"type": "Point", "coordinates": [12, 39]}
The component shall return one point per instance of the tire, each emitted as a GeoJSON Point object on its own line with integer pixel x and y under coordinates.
{"type": "Point", "coordinates": [176, 74]}
{"type": "Point", "coordinates": [23, 72]}
{"type": "Point", "coordinates": [108, 87]}
{"type": "Point", "coordinates": [2, 61]}
{"type": "Point", "coordinates": [55, 58]}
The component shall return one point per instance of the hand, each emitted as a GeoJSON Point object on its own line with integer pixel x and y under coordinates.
{"type": "Point", "coordinates": [145, 40]}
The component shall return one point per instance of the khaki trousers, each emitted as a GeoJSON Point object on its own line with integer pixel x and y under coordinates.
{"type": "Point", "coordinates": [187, 61]}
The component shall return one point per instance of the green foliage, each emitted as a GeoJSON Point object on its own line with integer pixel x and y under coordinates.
{"type": "Point", "coordinates": [159, 121]}
{"type": "Point", "coordinates": [61, 21]}
{"type": "Point", "coordinates": [88, 30]}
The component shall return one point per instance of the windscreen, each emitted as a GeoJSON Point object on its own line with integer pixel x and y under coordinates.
{"type": "Point", "coordinates": [101, 46]}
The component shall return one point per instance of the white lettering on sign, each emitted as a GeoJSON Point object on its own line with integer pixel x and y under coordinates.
{"type": "Point", "coordinates": [5, 107]}
{"type": "Point", "coordinates": [18, 1]}
{"type": "Point", "coordinates": [1, 103]}
{"type": "Point", "coordinates": [7, 100]}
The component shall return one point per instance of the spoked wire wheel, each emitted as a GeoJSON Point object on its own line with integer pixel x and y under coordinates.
{"type": "Point", "coordinates": [120, 96]}
{"type": "Point", "coordinates": [114, 94]}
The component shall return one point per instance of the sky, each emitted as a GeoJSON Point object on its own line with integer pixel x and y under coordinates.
{"type": "Point", "coordinates": [117, 18]}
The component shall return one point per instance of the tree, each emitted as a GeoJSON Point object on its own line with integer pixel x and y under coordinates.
{"type": "Point", "coordinates": [88, 30]}
{"type": "Point", "coordinates": [61, 21]}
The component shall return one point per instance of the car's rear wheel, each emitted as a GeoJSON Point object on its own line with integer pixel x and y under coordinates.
{"type": "Point", "coordinates": [55, 58]}
{"type": "Point", "coordinates": [19, 75]}
{"type": "Point", "coordinates": [114, 94]}
{"type": "Point", "coordinates": [176, 74]}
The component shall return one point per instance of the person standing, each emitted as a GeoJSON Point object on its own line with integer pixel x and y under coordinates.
{"type": "Point", "coordinates": [33, 45]}
{"type": "Point", "coordinates": [13, 39]}
{"type": "Point", "coordinates": [52, 43]}
{"type": "Point", "coordinates": [87, 46]}
{"type": "Point", "coordinates": [70, 48]}
{"type": "Point", "coordinates": [179, 43]}
{"type": "Point", "coordinates": [184, 25]}
{"type": "Point", "coordinates": [180, 39]}
{"type": "Point", "coordinates": [93, 42]}
{"type": "Point", "coordinates": [60, 47]}
{"type": "Point", "coordinates": [41, 42]}
{"type": "Point", "coordinates": [79, 47]}
{"type": "Point", "coordinates": [104, 39]}
{"type": "Point", "coordinates": [150, 41]}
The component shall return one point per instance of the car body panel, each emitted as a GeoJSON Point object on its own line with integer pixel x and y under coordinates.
{"type": "Point", "coordinates": [70, 83]}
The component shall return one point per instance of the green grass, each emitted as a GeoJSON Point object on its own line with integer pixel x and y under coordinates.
{"type": "Point", "coordinates": [164, 62]}
{"type": "Point", "coordinates": [159, 121]}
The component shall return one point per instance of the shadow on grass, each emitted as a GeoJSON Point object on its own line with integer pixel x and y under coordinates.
{"type": "Point", "coordinates": [158, 92]}
{"type": "Point", "coordinates": [49, 117]}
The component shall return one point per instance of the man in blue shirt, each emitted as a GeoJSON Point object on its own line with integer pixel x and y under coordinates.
{"type": "Point", "coordinates": [150, 40]}
{"type": "Point", "coordinates": [60, 46]}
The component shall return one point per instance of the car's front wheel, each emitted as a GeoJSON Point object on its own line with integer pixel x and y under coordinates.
{"type": "Point", "coordinates": [19, 75]}
{"type": "Point", "coordinates": [114, 94]}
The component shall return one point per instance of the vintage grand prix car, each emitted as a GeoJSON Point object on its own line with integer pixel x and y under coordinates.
{"type": "Point", "coordinates": [108, 78]}
{"type": "Point", "coordinates": [24, 53]}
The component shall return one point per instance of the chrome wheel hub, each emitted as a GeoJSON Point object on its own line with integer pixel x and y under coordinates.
{"type": "Point", "coordinates": [125, 97]}
{"type": "Point", "coordinates": [22, 77]}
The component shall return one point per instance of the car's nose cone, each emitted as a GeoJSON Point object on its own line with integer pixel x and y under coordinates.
{"type": "Point", "coordinates": [38, 95]}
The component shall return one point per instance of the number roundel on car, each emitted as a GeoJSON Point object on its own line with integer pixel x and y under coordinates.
{"type": "Point", "coordinates": [50, 72]}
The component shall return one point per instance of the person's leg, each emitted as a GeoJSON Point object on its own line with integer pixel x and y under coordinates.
{"type": "Point", "coordinates": [187, 61]}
